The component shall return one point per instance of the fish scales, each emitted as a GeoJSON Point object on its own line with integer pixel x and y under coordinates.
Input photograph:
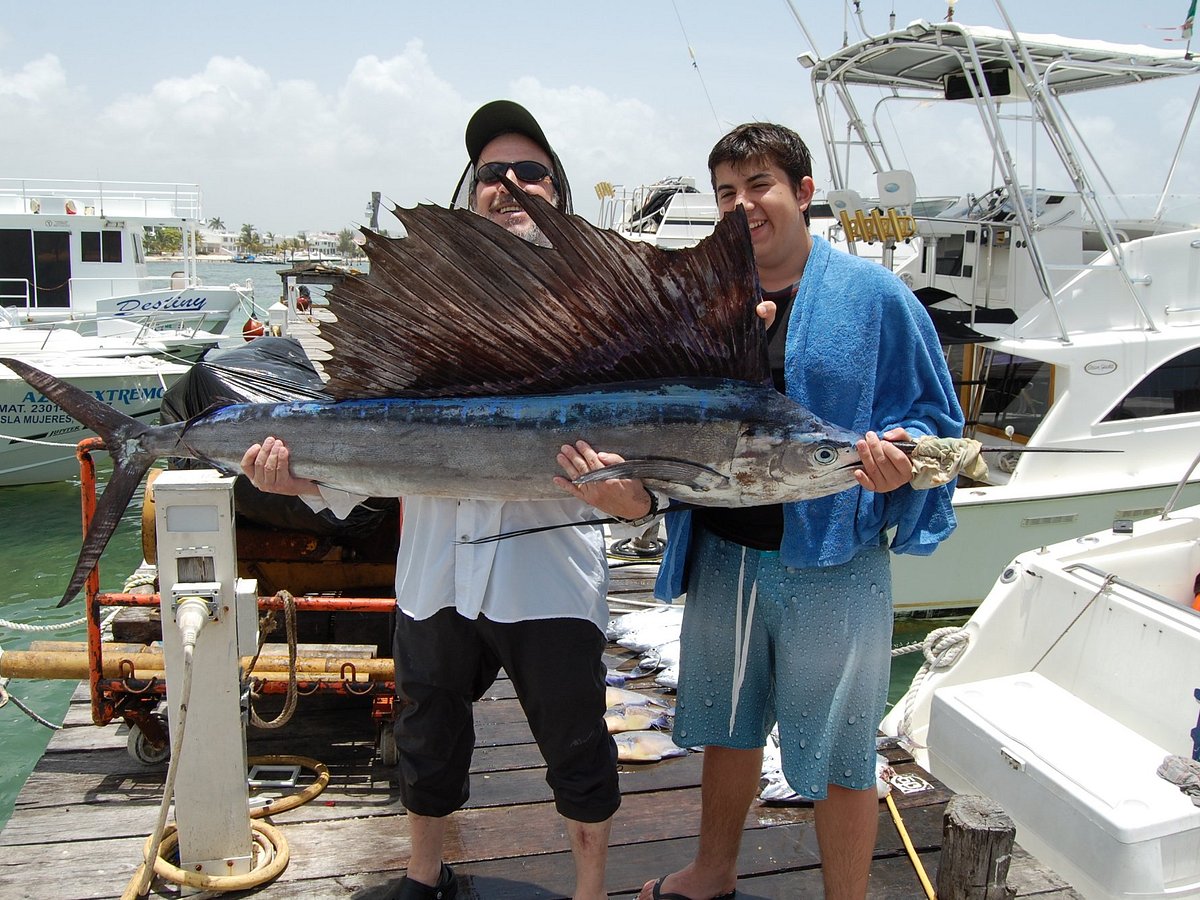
{"type": "Point", "coordinates": [716, 442]}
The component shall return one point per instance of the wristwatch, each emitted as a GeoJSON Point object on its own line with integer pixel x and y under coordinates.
{"type": "Point", "coordinates": [643, 520]}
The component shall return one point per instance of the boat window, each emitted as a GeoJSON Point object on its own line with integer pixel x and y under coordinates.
{"type": "Point", "coordinates": [1017, 394]}
{"type": "Point", "coordinates": [52, 274]}
{"type": "Point", "coordinates": [100, 246]}
{"type": "Point", "coordinates": [949, 258]}
{"type": "Point", "coordinates": [89, 246]}
{"type": "Point", "coordinates": [16, 266]}
{"type": "Point", "coordinates": [110, 246]}
{"type": "Point", "coordinates": [1173, 387]}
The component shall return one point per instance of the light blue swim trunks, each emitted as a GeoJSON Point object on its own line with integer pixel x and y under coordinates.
{"type": "Point", "coordinates": [810, 648]}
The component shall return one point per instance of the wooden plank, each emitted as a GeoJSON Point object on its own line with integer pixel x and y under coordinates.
{"type": "Point", "coordinates": [90, 803]}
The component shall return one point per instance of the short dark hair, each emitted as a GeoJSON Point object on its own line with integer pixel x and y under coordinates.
{"type": "Point", "coordinates": [763, 142]}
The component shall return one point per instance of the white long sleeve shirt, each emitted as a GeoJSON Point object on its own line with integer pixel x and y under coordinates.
{"type": "Point", "coordinates": [561, 573]}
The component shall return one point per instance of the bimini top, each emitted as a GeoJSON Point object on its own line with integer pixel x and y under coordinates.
{"type": "Point", "coordinates": [928, 57]}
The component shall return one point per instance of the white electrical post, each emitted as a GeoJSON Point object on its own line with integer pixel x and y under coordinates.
{"type": "Point", "coordinates": [197, 561]}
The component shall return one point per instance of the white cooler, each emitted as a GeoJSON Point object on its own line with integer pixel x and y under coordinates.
{"type": "Point", "coordinates": [1081, 787]}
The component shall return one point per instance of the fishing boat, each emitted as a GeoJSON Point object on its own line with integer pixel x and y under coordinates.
{"type": "Point", "coordinates": [72, 256]}
{"type": "Point", "coordinates": [1070, 698]}
{"type": "Point", "coordinates": [1069, 320]}
{"type": "Point", "coordinates": [38, 439]}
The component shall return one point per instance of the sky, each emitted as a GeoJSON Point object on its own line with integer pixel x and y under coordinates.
{"type": "Point", "coordinates": [289, 115]}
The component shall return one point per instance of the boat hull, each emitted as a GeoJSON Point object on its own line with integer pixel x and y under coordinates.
{"type": "Point", "coordinates": [1075, 679]}
{"type": "Point", "coordinates": [38, 439]}
{"type": "Point", "coordinates": [991, 533]}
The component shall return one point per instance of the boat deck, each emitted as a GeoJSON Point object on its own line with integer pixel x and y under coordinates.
{"type": "Point", "coordinates": [87, 807]}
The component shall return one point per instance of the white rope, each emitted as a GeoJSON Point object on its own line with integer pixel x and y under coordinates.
{"type": "Point", "coordinates": [21, 440]}
{"type": "Point", "coordinates": [61, 626]}
{"type": "Point", "coordinates": [942, 648]}
{"type": "Point", "coordinates": [139, 579]}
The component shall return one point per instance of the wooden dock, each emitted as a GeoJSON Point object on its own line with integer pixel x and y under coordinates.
{"type": "Point", "coordinates": [83, 815]}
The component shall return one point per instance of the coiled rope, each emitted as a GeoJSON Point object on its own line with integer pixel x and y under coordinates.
{"type": "Point", "coordinates": [942, 647]}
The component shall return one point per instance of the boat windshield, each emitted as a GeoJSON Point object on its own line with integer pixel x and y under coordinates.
{"type": "Point", "coordinates": [1172, 388]}
{"type": "Point", "coordinates": [1016, 393]}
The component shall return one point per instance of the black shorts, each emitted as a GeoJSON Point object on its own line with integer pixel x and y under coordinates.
{"type": "Point", "coordinates": [446, 662]}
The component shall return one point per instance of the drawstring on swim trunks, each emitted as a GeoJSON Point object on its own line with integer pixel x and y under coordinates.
{"type": "Point", "coordinates": [741, 643]}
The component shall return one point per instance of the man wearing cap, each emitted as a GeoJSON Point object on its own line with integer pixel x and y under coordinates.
{"type": "Point", "coordinates": [536, 606]}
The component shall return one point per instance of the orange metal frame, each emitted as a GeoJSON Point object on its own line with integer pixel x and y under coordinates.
{"type": "Point", "coordinates": [135, 699]}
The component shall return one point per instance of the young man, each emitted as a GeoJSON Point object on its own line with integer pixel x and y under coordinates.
{"type": "Point", "coordinates": [789, 609]}
{"type": "Point", "coordinates": [536, 606]}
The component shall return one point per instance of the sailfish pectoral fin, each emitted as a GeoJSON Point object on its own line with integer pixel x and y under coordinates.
{"type": "Point", "coordinates": [694, 475]}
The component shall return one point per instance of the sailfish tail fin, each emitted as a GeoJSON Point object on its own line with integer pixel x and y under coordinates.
{"type": "Point", "coordinates": [120, 434]}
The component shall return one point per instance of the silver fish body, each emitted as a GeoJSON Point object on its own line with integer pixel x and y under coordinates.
{"type": "Point", "coordinates": [709, 441]}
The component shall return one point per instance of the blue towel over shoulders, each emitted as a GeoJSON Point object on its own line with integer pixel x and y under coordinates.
{"type": "Point", "coordinates": [863, 354]}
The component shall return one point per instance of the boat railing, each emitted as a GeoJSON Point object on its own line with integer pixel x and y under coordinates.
{"type": "Point", "coordinates": [100, 198]}
{"type": "Point", "coordinates": [1170, 505]}
{"type": "Point", "coordinates": [15, 292]}
{"type": "Point", "coordinates": [1110, 579]}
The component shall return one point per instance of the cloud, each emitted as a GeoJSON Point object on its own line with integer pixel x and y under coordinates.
{"type": "Point", "coordinates": [40, 81]}
{"type": "Point", "coordinates": [292, 154]}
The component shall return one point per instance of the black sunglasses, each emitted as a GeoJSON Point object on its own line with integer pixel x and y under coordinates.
{"type": "Point", "coordinates": [526, 170]}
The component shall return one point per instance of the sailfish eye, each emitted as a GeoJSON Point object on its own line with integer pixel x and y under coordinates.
{"type": "Point", "coordinates": [825, 455]}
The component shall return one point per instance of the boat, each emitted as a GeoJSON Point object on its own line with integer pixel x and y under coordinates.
{"type": "Point", "coordinates": [1069, 687]}
{"type": "Point", "coordinates": [670, 213]}
{"type": "Point", "coordinates": [38, 439]}
{"type": "Point", "coordinates": [72, 256]}
{"type": "Point", "coordinates": [1066, 325]}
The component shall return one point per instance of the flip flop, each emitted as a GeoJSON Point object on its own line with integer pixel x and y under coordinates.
{"type": "Point", "coordinates": [657, 893]}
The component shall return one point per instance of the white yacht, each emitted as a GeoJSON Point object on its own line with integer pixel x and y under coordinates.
{"type": "Point", "coordinates": [1071, 322]}
{"type": "Point", "coordinates": [38, 439]}
{"type": "Point", "coordinates": [71, 256]}
{"type": "Point", "coordinates": [77, 301]}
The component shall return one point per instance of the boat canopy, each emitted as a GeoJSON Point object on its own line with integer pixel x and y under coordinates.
{"type": "Point", "coordinates": [929, 57]}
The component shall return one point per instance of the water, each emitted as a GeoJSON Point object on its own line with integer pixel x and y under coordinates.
{"type": "Point", "coordinates": [40, 531]}
{"type": "Point", "coordinates": [263, 277]}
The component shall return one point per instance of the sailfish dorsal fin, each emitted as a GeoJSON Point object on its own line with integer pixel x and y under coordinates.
{"type": "Point", "coordinates": [462, 307]}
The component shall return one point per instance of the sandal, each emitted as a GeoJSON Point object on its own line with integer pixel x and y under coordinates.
{"type": "Point", "coordinates": [657, 893]}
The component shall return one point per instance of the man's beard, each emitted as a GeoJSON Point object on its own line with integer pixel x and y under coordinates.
{"type": "Point", "coordinates": [527, 232]}
{"type": "Point", "coordinates": [533, 234]}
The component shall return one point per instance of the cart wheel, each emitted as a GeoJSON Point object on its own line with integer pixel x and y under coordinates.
{"type": "Point", "coordinates": [389, 754]}
{"type": "Point", "coordinates": [139, 747]}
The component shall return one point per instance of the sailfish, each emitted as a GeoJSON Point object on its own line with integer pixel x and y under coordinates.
{"type": "Point", "coordinates": [467, 356]}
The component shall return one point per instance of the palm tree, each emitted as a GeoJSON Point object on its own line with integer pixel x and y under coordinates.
{"type": "Point", "coordinates": [216, 223]}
